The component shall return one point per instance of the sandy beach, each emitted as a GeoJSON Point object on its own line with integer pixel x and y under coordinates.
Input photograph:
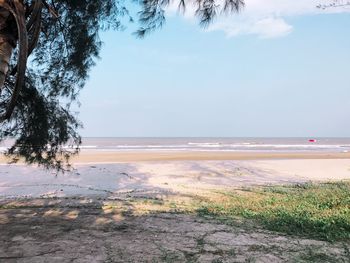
{"type": "Point", "coordinates": [123, 207]}
{"type": "Point", "coordinates": [114, 173]}
{"type": "Point", "coordinates": [134, 156]}
{"type": "Point", "coordinates": [96, 156]}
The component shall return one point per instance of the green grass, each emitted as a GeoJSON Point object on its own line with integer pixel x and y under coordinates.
{"type": "Point", "coordinates": [314, 256]}
{"type": "Point", "coordinates": [320, 211]}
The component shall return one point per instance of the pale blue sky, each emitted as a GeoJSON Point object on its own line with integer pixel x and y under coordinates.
{"type": "Point", "coordinates": [274, 73]}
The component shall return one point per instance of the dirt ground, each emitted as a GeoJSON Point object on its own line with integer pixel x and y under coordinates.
{"type": "Point", "coordinates": [114, 213]}
{"type": "Point", "coordinates": [87, 230]}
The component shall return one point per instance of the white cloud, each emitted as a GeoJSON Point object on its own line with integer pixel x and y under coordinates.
{"type": "Point", "coordinates": [269, 27]}
{"type": "Point", "coordinates": [266, 18]}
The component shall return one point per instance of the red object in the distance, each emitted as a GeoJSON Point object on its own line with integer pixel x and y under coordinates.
{"type": "Point", "coordinates": [312, 140]}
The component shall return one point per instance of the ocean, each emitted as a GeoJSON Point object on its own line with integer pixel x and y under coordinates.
{"type": "Point", "coordinates": [212, 144]}
{"type": "Point", "coordinates": [219, 144]}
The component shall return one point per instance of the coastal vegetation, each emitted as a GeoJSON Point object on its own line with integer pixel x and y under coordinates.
{"type": "Point", "coordinates": [298, 223]}
{"type": "Point", "coordinates": [315, 210]}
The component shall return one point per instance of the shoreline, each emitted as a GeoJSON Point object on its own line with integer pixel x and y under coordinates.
{"type": "Point", "coordinates": [95, 156]}
{"type": "Point", "coordinates": [142, 156]}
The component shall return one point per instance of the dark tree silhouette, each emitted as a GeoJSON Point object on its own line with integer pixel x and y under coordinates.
{"type": "Point", "coordinates": [61, 40]}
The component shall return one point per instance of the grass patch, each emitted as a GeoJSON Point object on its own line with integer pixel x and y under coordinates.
{"type": "Point", "coordinates": [315, 256]}
{"type": "Point", "coordinates": [320, 211]}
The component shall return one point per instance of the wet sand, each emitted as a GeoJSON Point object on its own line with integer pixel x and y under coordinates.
{"type": "Point", "coordinates": [96, 156]}
{"type": "Point", "coordinates": [134, 156]}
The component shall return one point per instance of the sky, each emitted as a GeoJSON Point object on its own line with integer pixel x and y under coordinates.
{"type": "Point", "coordinates": [280, 68]}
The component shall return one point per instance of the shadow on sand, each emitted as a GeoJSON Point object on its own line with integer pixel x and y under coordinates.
{"type": "Point", "coordinates": [102, 230]}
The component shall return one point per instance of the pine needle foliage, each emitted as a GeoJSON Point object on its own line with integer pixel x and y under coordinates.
{"type": "Point", "coordinates": [43, 124]}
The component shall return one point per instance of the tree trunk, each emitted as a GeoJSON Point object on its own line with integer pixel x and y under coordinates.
{"type": "Point", "coordinates": [5, 56]}
{"type": "Point", "coordinates": [13, 29]}
{"type": "Point", "coordinates": [6, 47]}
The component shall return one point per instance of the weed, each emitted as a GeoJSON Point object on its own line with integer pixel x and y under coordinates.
{"type": "Point", "coordinates": [315, 210]}
{"type": "Point", "coordinates": [315, 256]}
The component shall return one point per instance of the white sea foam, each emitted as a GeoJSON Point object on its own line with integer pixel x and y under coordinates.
{"type": "Point", "coordinates": [89, 146]}
{"type": "Point", "coordinates": [214, 144]}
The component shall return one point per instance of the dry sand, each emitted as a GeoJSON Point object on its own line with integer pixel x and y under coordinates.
{"type": "Point", "coordinates": [162, 177]}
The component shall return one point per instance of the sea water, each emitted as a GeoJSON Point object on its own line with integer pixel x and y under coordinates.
{"type": "Point", "coordinates": [211, 144]}
{"type": "Point", "coordinates": [218, 144]}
